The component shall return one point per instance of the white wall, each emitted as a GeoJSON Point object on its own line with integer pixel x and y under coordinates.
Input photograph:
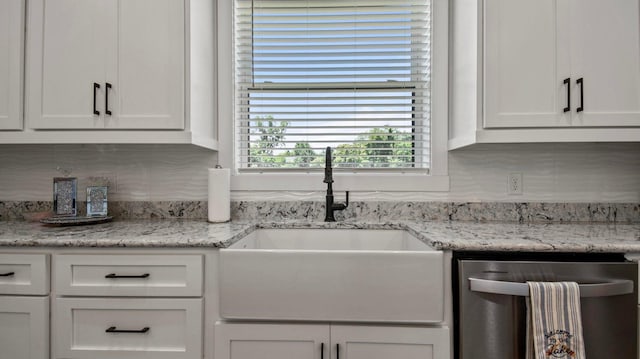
{"type": "Point", "coordinates": [551, 173]}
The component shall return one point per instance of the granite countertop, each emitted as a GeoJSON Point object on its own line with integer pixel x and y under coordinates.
{"type": "Point", "coordinates": [454, 235]}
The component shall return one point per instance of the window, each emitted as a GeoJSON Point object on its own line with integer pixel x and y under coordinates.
{"type": "Point", "coordinates": [353, 75]}
{"type": "Point", "coordinates": [365, 77]}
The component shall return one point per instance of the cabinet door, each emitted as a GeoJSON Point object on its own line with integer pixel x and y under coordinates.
{"type": "Point", "coordinates": [260, 341]}
{"type": "Point", "coordinates": [11, 25]}
{"type": "Point", "coordinates": [606, 54]}
{"type": "Point", "coordinates": [68, 46]}
{"type": "Point", "coordinates": [24, 327]}
{"type": "Point", "coordinates": [148, 78]}
{"type": "Point", "coordinates": [364, 342]}
{"type": "Point", "coordinates": [525, 63]}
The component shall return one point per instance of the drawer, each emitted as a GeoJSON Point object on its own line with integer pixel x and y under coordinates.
{"type": "Point", "coordinates": [26, 274]}
{"type": "Point", "coordinates": [128, 275]}
{"type": "Point", "coordinates": [126, 328]}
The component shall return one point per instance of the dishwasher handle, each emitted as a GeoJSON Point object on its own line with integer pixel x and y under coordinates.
{"type": "Point", "coordinates": [607, 288]}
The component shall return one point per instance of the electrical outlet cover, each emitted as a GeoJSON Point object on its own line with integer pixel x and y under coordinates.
{"type": "Point", "coordinates": [514, 184]}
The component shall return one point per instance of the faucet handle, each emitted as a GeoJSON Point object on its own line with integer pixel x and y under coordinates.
{"type": "Point", "coordinates": [341, 206]}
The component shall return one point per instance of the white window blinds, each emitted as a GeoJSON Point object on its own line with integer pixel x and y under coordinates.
{"type": "Point", "coordinates": [350, 74]}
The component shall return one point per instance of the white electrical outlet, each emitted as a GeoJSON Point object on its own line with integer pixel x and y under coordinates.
{"type": "Point", "coordinates": [514, 183]}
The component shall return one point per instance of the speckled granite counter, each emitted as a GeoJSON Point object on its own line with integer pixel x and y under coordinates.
{"type": "Point", "coordinates": [566, 237]}
{"type": "Point", "coordinates": [134, 233]}
{"type": "Point", "coordinates": [481, 236]}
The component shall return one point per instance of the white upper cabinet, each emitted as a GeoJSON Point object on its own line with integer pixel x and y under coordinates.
{"type": "Point", "coordinates": [522, 45]}
{"type": "Point", "coordinates": [605, 53]}
{"type": "Point", "coordinates": [118, 72]}
{"type": "Point", "coordinates": [562, 63]}
{"type": "Point", "coordinates": [70, 54]}
{"type": "Point", "coordinates": [544, 71]}
{"type": "Point", "coordinates": [11, 39]}
{"type": "Point", "coordinates": [106, 64]}
{"type": "Point", "coordinates": [148, 77]}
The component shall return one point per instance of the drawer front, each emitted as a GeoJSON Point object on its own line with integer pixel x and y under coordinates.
{"type": "Point", "coordinates": [125, 328]}
{"type": "Point", "coordinates": [26, 274]}
{"type": "Point", "coordinates": [128, 275]}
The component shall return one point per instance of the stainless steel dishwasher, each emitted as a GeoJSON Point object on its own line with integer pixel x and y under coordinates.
{"type": "Point", "coordinates": [490, 293]}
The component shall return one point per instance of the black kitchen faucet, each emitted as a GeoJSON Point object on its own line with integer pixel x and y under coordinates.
{"type": "Point", "coordinates": [330, 207]}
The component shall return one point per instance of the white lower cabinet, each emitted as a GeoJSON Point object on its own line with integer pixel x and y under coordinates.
{"type": "Point", "coordinates": [24, 274]}
{"type": "Point", "coordinates": [365, 342]}
{"type": "Point", "coordinates": [143, 275]}
{"type": "Point", "coordinates": [257, 341]}
{"type": "Point", "coordinates": [24, 327]}
{"type": "Point", "coordinates": [159, 304]}
{"type": "Point", "coordinates": [128, 328]}
{"type": "Point", "coordinates": [127, 305]}
{"type": "Point", "coordinates": [331, 341]}
{"type": "Point", "coordinates": [24, 306]}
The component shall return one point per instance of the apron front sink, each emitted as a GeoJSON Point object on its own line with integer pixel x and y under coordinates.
{"type": "Point", "coordinates": [332, 275]}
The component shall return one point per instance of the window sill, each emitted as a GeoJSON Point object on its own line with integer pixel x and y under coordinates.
{"type": "Point", "coordinates": [342, 182]}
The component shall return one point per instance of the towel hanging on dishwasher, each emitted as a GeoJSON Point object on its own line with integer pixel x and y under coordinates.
{"type": "Point", "coordinates": [554, 322]}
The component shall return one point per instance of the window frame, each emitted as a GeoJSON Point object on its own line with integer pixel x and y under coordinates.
{"type": "Point", "coordinates": [435, 179]}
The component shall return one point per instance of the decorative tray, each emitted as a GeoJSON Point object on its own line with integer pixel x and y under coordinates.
{"type": "Point", "coordinates": [75, 221]}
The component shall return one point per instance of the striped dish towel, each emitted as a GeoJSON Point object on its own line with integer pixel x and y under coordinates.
{"type": "Point", "coordinates": [554, 324]}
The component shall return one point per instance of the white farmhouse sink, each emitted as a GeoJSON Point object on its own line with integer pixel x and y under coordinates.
{"type": "Point", "coordinates": [331, 275]}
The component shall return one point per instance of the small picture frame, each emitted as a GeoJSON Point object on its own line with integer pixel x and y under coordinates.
{"type": "Point", "coordinates": [96, 201]}
{"type": "Point", "coordinates": [64, 196]}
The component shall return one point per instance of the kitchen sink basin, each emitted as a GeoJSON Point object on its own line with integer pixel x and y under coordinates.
{"type": "Point", "coordinates": [332, 239]}
{"type": "Point", "coordinates": [331, 275]}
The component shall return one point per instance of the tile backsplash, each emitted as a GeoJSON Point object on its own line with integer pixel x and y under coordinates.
{"type": "Point", "coordinates": [552, 173]}
{"type": "Point", "coordinates": [561, 182]}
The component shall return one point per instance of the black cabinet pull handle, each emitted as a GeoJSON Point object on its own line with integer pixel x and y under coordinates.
{"type": "Point", "coordinates": [114, 330]}
{"type": "Point", "coordinates": [337, 351]}
{"type": "Point", "coordinates": [321, 350]}
{"type": "Point", "coordinates": [567, 82]}
{"type": "Point", "coordinates": [106, 99]}
{"type": "Point", "coordinates": [96, 87]}
{"type": "Point", "coordinates": [580, 82]}
{"type": "Point", "coordinates": [8, 274]}
{"type": "Point", "coordinates": [113, 275]}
